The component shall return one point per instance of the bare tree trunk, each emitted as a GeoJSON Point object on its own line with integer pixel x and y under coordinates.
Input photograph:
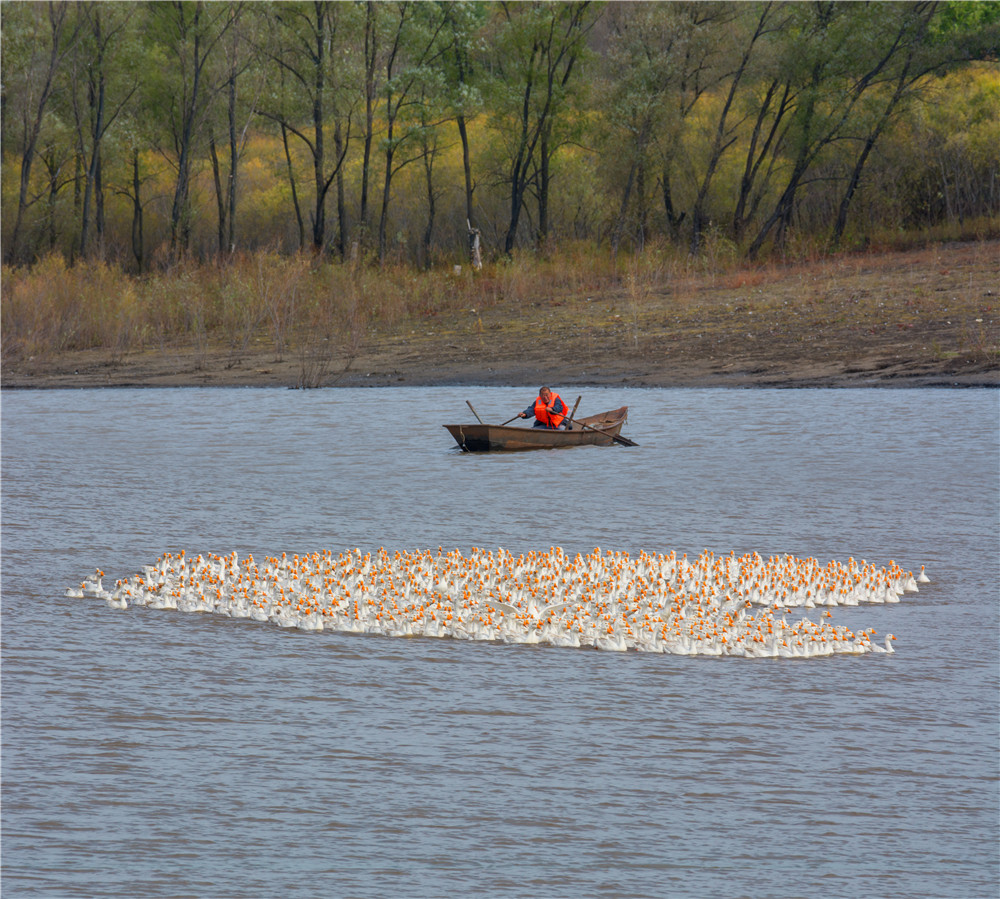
{"type": "Point", "coordinates": [179, 212]}
{"type": "Point", "coordinates": [57, 18]}
{"type": "Point", "coordinates": [782, 212]}
{"type": "Point", "coordinates": [308, 66]}
{"type": "Point", "coordinates": [371, 58]}
{"type": "Point", "coordinates": [516, 201]}
{"type": "Point", "coordinates": [202, 41]}
{"type": "Point", "coordinates": [619, 229]}
{"type": "Point", "coordinates": [99, 220]}
{"type": "Point", "coordinates": [550, 63]}
{"type": "Point", "coordinates": [233, 163]}
{"type": "Point", "coordinates": [220, 200]}
{"type": "Point", "coordinates": [342, 226]}
{"type": "Point", "coordinates": [518, 174]}
{"type": "Point", "coordinates": [319, 129]}
{"type": "Point", "coordinates": [724, 137]}
{"type": "Point", "coordinates": [543, 188]}
{"type": "Point", "coordinates": [475, 247]}
{"type": "Point", "coordinates": [745, 208]}
{"type": "Point", "coordinates": [640, 195]}
{"type": "Point", "coordinates": [97, 107]}
{"type": "Point", "coordinates": [674, 220]}
{"type": "Point", "coordinates": [53, 193]}
{"type": "Point", "coordinates": [387, 183]}
{"type": "Point", "coordinates": [291, 182]}
{"type": "Point", "coordinates": [904, 81]}
{"type": "Point", "coordinates": [466, 165]}
{"type": "Point", "coordinates": [431, 207]}
{"type": "Point", "coordinates": [401, 69]}
{"type": "Point", "coordinates": [137, 235]}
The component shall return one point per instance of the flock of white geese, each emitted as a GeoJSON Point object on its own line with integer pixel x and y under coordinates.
{"type": "Point", "coordinates": [712, 605]}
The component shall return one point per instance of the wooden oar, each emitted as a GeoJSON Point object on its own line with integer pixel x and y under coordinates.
{"type": "Point", "coordinates": [577, 403]}
{"type": "Point", "coordinates": [474, 412]}
{"type": "Point", "coordinates": [624, 441]}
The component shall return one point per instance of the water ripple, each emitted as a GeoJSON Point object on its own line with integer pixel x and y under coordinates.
{"type": "Point", "coordinates": [163, 755]}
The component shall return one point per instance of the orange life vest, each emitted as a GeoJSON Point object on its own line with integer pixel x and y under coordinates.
{"type": "Point", "coordinates": [549, 419]}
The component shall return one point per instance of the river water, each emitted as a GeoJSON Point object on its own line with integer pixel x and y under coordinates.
{"type": "Point", "coordinates": [162, 754]}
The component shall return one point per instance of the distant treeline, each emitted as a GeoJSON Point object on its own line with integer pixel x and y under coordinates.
{"type": "Point", "coordinates": [144, 133]}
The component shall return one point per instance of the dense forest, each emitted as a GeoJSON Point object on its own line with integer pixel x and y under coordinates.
{"type": "Point", "coordinates": [144, 133]}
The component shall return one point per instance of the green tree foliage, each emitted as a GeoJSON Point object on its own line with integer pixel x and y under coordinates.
{"type": "Point", "coordinates": [105, 78]}
{"type": "Point", "coordinates": [536, 48]}
{"type": "Point", "coordinates": [312, 92]}
{"type": "Point", "coordinates": [187, 37]}
{"type": "Point", "coordinates": [142, 132]}
{"type": "Point", "coordinates": [37, 41]}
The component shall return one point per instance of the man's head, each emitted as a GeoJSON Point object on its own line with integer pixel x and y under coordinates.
{"type": "Point", "coordinates": [545, 394]}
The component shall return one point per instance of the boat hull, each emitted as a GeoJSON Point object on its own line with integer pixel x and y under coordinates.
{"type": "Point", "coordinates": [480, 438]}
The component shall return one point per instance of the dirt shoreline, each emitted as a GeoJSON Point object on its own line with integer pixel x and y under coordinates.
{"type": "Point", "coordinates": [919, 318]}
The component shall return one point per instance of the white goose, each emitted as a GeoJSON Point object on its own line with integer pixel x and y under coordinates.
{"type": "Point", "coordinates": [548, 598]}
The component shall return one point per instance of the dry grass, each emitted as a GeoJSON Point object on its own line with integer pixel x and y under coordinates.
{"type": "Point", "coordinates": [645, 319]}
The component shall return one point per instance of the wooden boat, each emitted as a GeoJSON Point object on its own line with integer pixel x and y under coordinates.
{"type": "Point", "coordinates": [600, 430]}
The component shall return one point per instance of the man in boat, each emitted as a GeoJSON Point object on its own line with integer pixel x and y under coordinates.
{"type": "Point", "coordinates": [549, 410]}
